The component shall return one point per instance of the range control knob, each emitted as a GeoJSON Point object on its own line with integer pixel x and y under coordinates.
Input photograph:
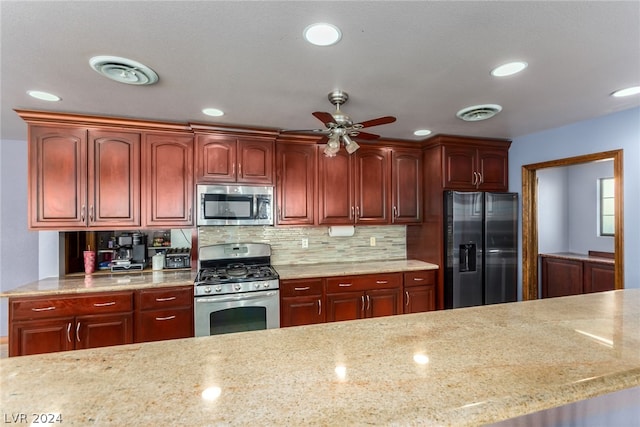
{"type": "Point", "coordinates": [256, 285]}
{"type": "Point", "coordinates": [207, 289]}
{"type": "Point", "coordinates": [237, 286]}
{"type": "Point", "coordinates": [218, 288]}
{"type": "Point", "coordinates": [265, 285]}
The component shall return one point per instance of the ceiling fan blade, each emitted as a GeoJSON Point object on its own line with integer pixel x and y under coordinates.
{"type": "Point", "coordinates": [304, 131]}
{"type": "Point", "coordinates": [379, 121]}
{"type": "Point", "coordinates": [367, 135]}
{"type": "Point", "coordinates": [323, 117]}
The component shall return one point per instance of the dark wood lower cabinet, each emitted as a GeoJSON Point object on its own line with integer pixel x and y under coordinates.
{"type": "Point", "coordinates": [420, 291]}
{"type": "Point", "coordinates": [103, 330]}
{"type": "Point", "coordinates": [40, 336]}
{"type": "Point", "coordinates": [164, 313]}
{"type": "Point", "coordinates": [562, 276]}
{"type": "Point", "coordinates": [301, 302]}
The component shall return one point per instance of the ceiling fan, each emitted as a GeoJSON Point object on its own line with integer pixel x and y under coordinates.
{"type": "Point", "coordinates": [340, 128]}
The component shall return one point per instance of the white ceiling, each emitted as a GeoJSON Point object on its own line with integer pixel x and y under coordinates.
{"type": "Point", "coordinates": [419, 61]}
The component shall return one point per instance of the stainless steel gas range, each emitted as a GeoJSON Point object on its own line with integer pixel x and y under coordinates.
{"type": "Point", "coordinates": [236, 289]}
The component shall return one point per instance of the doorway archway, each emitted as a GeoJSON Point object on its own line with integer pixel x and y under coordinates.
{"type": "Point", "coordinates": [530, 218]}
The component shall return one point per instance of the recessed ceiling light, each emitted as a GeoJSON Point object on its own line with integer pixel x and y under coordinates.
{"type": "Point", "coordinates": [478, 112]}
{"type": "Point", "coordinates": [509, 69]}
{"type": "Point", "coordinates": [213, 112]}
{"type": "Point", "coordinates": [322, 34]}
{"type": "Point", "coordinates": [626, 92]}
{"type": "Point", "coordinates": [422, 132]}
{"type": "Point", "coordinates": [123, 70]}
{"type": "Point", "coordinates": [44, 96]}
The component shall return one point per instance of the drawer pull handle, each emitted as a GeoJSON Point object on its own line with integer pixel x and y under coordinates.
{"type": "Point", "coordinates": [44, 309]}
{"type": "Point", "coordinates": [165, 299]}
{"type": "Point", "coordinates": [344, 284]}
{"type": "Point", "coordinates": [418, 279]}
{"type": "Point", "coordinates": [104, 304]}
{"type": "Point", "coordinates": [306, 288]}
{"type": "Point", "coordinates": [166, 318]}
{"type": "Point", "coordinates": [382, 282]}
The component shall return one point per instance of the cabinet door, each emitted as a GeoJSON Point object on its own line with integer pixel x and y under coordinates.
{"type": "Point", "coordinates": [215, 159]}
{"type": "Point", "coordinates": [40, 336]}
{"type": "Point", "coordinates": [157, 325]}
{"type": "Point", "coordinates": [418, 299]}
{"type": "Point", "coordinates": [493, 169]}
{"type": "Point", "coordinates": [167, 180]}
{"type": "Point", "coordinates": [383, 302]}
{"type": "Point", "coordinates": [406, 186]}
{"type": "Point", "coordinates": [57, 177]}
{"type": "Point", "coordinates": [296, 170]}
{"type": "Point", "coordinates": [335, 189]}
{"type": "Point", "coordinates": [255, 161]}
{"type": "Point", "coordinates": [459, 168]}
{"type": "Point", "coordinates": [296, 311]}
{"type": "Point", "coordinates": [101, 330]}
{"type": "Point", "coordinates": [561, 277]}
{"type": "Point", "coordinates": [598, 277]}
{"type": "Point", "coordinates": [372, 185]}
{"type": "Point", "coordinates": [114, 178]}
{"type": "Point", "coordinates": [345, 306]}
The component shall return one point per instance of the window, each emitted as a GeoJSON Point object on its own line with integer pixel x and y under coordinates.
{"type": "Point", "coordinates": [607, 210]}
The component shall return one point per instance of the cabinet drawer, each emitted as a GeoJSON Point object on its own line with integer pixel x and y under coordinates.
{"type": "Point", "coordinates": [41, 308]}
{"type": "Point", "coordinates": [301, 287]}
{"type": "Point", "coordinates": [156, 325]}
{"type": "Point", "coordinates": [153, 299]}
{"type": "Point", "coordinates": [420, 278]}
{"type": "Point", "coordinates": [364, 282]}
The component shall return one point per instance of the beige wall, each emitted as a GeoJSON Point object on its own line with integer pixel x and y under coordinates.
{"type": "Point", "coordinates": [287, 248]}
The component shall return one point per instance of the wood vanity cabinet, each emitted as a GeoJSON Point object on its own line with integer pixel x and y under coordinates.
{"type": "Point", "coordinates": [354, 189]}
{"type": "Point", "coordinates": [598, 277]}
{"type": "Point", "coordinates": [295, 183]}
{"type": "Point", "coordinates": [164, 313]}
{"type": "Point", "coordinates": [301, 302]}
{"type": "Point", "coordinates": [566, 276]}
{"type": "Point", "coordinates": [406, 186]}
{"type": "Point", "coordinates": [49, 324]}
{"type": "Point", "coordinates": [234, 159]}
{"type": "Point", "coordinates": [81, 177]}
{"type": "Point", "coordinates": [167, 180]}
{"type": "Point", "coordinates": [363, 296]}
{"type": "Point", "coordinates": [419, 291]}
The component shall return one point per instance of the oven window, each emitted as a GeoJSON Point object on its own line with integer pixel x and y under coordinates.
{"type": "Point", "coordinates": [238, 319]}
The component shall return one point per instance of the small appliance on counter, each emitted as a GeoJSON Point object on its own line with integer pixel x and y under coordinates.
{"type": "Point", "coordinates": [177, 258]}
{"type": "Point", "coordinates": [130, 253]}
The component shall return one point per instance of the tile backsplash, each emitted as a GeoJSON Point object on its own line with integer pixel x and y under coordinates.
{"type": "Point", "coordinates": [286, 242]}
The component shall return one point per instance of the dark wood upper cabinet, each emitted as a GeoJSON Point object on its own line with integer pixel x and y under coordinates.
{"type": "Point", "coordinates": [354, 189]}
{"type": "Point", "coordinates": [82, 178]}
{"type": "Point", "coordinates": [167, 180]}
{"type": "Point", "coordinates": [295, 183]}
{"type": "Point", "coordinates": [231, 159]}
{"type": "Point", "coordinates": [475, 168]}
{"type": "Point", "coordinates": [406, 186]}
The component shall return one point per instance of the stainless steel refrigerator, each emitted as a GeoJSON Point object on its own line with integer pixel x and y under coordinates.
{"type": "Point", "coordinates": [481, 238]}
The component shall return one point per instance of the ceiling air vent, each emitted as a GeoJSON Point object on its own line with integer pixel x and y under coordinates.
{"type": "Point", "coordinates": [123, 70]}
{"type": "Point", "coordinates": [478, 112]}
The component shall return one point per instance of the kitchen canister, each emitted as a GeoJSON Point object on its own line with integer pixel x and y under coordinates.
{"type": "Point", "coordinates": [89, 262]}
{"type": "Point", "coordinates": [157, 261]}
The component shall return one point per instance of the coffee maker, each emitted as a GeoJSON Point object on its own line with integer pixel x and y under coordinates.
{"type": "Point", "coordinates": [131, 252]}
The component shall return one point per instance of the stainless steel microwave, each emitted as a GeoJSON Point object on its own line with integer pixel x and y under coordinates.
{"type": "Point", "coordinates": [234, 205]}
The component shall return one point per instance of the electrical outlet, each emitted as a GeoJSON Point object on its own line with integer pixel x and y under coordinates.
{"type": "Point", "coordinates": [305, 242]}
{"type": "Point", "coordinates": [372, 241]}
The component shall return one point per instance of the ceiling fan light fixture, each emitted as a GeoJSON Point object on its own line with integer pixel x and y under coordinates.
{"type": "Point", "coordinates": [322, 34]}
{"type": "Point", "coordinates": [349, 144]}
{"type": "Point", "coordinates": [477, 113]}
{"type": "Point", "coordinates": [626, 92]}
{"type": "Point", "coordinates": [509, 69]}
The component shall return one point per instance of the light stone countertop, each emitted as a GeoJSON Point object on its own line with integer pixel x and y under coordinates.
{"type": "Point", "coordinates": [305, 271]}
{"type": "Point", "coordinates": [579, 257]}
{"type": "Point", "coordinates": [102, 283]}
{"type": "Point", "coordinates": [466, 366]}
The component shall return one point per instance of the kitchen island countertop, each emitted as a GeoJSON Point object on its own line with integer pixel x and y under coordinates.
{"type": "Point", "coordinates": [466, 366]}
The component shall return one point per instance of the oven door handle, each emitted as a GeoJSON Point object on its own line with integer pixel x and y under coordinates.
{"type": "Point", "coordinates": [235, 297]}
